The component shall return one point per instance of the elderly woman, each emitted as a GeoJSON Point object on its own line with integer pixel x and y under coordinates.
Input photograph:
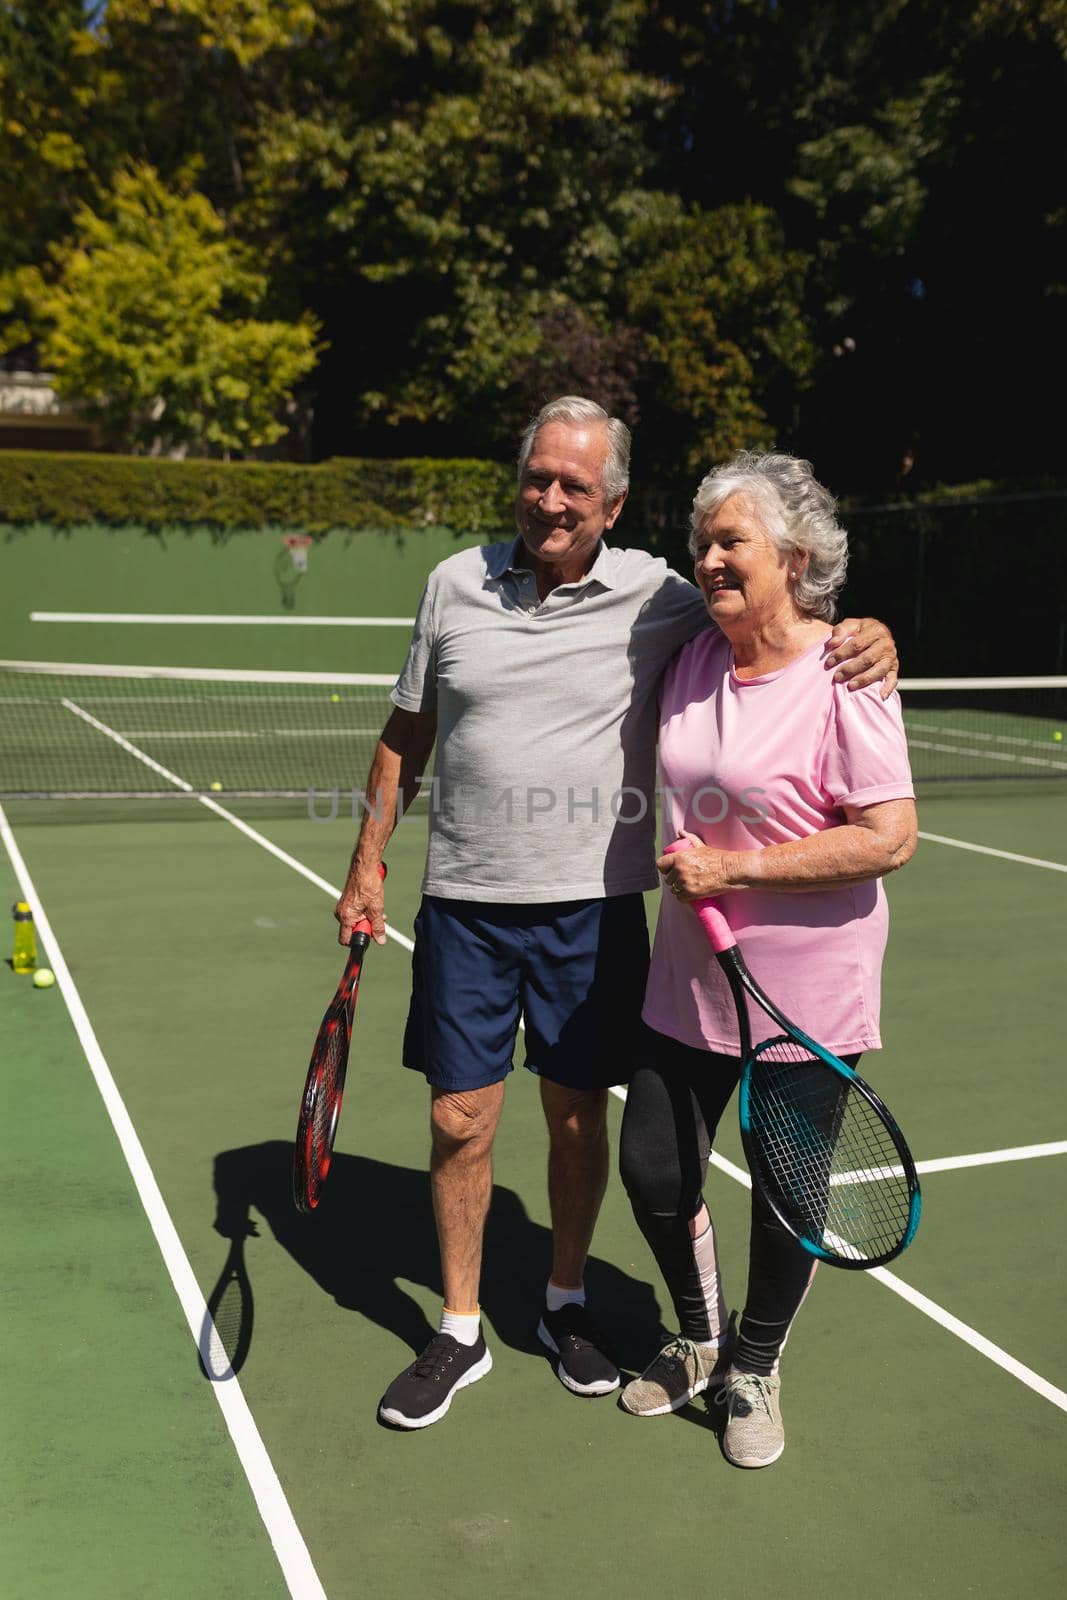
{"type": "Point", "coordinates": [797, 798]}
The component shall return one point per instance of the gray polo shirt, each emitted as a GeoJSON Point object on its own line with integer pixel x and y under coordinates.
{"type": "Point", "coordinates": [545, 770]}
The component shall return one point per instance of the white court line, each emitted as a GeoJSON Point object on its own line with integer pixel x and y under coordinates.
{"type": "Point", "coordinates": [945, 1319]}
{"type": "Point", "coordinates": [921, 1302]}
{"type": "Point", "coordinates": [987, 850]}
{"type": "Point", "coordinates": [1008, 756]}
{"type": "Point", "coordinates": [982, 1158]}
{"type": "Point", "coordinates": [990, 1158]}
{"type": "Point", "coordinates": [286, 1538]}
{"type": "Point", "coordinates": [977, 1341]}
{"type": "Point", "coordinates": [221, 811]}
{"type": "Point", "coordinates": [945, 732]}
{"type": "Point", "coordinates": [221, 620]}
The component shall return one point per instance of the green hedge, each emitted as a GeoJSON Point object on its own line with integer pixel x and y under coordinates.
{"type": "Point", "coordinates": [66, 490]}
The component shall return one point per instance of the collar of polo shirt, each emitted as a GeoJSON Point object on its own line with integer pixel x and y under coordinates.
{"type": "Point", "coordinates": [505, 558]}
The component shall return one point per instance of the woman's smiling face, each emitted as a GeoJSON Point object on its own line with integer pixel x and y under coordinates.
{"type": "Point", "coordinates": [741, 572]}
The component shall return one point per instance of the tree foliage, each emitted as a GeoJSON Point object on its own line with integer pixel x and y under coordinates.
{"type": "Point", "coordinates": [52, 86]}
{"type": "Point", "coordinates": [722, 303]}
{"type": "Point", "coordinates": [246, 29]}
{"type": "Point", "coordinates": [834, 225]}
{"type": "Point", "coordinates": [144, 328]}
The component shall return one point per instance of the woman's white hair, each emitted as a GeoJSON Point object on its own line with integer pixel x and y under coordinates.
{"type": "Point", "coordinates": [574, 409]}
{"type": "Point", "coordinates": [796, 513]}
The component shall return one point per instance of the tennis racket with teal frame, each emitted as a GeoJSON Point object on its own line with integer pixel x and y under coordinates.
{"type": "Point", "coordinates": [822, 1148]}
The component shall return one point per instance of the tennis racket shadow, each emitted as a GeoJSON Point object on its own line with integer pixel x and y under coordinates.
{"type": "Point", "coordinates": [226, 1331]}
{"type": "Point", "coordinates": [375, 1226]}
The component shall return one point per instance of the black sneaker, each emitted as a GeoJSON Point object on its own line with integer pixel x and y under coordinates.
{"type": "Point", "coordinates": [423, 1392]}
{"type": "Point", "coordinates": [586, 1364]}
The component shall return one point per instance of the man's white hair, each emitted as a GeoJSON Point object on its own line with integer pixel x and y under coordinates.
{"type": "Point", "coordinates": [574, 409]}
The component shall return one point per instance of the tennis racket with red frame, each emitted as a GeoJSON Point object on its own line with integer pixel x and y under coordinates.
{"type": "Point", "coordinates": [324, 1086]}
{"type": "Point", "coordinates": [822, 1148]}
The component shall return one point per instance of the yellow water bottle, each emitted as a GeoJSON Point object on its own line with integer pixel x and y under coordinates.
{"type": "Point", "coordinates": [25, 956]}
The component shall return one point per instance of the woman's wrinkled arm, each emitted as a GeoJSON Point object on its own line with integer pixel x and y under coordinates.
{"type": "Point", "coordinates": [872, 842]}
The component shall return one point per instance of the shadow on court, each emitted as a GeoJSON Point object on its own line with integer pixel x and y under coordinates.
{"type": "Point", "coordinates": [375, 1225]}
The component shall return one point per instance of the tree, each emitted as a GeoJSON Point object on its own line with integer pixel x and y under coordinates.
{"type": "Point", "coordinates": [145, 330]}
{"type": "Point", "coordinates": [440, 178]}
{"type": "Point", "coordinates": [481, 201]}
{"type": "Point", "coordinates": [54, 128]}
{"type": "Point", "coordinates": [577, 355]}
{"type": "Point", "coordinates": [721, 305]}
{"type": "Point", "coordinates": [245, 29]}
{"type": "Point", "coordinates": [905, 146]}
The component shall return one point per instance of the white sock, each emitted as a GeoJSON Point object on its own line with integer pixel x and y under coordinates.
{"type": "Point", "coordinates": [555, 1297]}
{"type": "Point", "coordinates": [464, 1327]}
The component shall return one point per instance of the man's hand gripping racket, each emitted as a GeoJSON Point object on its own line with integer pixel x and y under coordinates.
{"type": "Point", "coordinates": [324, 1086]}
{"type": "Point", "coordinates": [821, 1147]}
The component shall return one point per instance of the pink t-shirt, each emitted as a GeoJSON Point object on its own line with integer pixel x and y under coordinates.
{"type": "Point", "coordinates": [746, 763]}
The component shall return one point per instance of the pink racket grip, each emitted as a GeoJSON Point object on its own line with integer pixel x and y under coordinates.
{"type": "Point", "coordinates": [711, 918]}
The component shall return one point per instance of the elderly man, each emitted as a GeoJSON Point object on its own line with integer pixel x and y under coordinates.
{"type": "Point", "coordinates": [535, 664]}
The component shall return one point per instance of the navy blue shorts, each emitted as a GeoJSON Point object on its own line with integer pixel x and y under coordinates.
{"type": "Point", "coordinates": [575, 970]}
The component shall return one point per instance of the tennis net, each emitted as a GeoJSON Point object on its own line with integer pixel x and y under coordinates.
{"type": "Point", "coordinates": [100, 732]}
{"type": "Point", "coordinates": [103, 732]}
{"type": "Point", "coordinates": [962, 729]}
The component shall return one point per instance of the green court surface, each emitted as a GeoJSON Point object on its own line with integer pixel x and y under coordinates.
{"type": "Point", "coordinates": [916, 1464]}
{"type": "Point", "coordinates": [106, 1412]}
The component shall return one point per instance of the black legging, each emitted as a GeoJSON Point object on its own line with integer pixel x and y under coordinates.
{"type": "Point", "coordinates": [674, 1102]}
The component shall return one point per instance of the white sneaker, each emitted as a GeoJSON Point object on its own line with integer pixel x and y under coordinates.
{"type": "Point", "coordinates": [754, 1435]}
{"type": "Point", "coordinates": [680, 1372]}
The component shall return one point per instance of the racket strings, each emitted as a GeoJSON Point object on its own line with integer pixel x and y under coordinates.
{"type": "Point", "coordinates": [320, 1108]}
{"type": "Point", "coordinates": [827, 1153]}
{"type": "Point", "coordinates": [327, 1099]}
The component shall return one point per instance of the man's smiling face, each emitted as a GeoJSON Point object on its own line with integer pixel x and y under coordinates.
{"type": "Point", "coordinates": [561, 512]}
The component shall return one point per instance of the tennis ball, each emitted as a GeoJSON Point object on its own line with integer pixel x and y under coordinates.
{"type": "Point", "coordinates": [335, 699]}
{"type": "Point", "coordinates": [43, 978]}
{"type": "Point", "coordinates": [216, 787]}
{"type": "Point", "coordinates": [1058, 736]}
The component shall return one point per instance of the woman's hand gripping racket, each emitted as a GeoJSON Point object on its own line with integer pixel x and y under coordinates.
{"type": "Point", "coordinates": [325, 1082]}
{"type": "Point", "coordinates": [821, 1147]}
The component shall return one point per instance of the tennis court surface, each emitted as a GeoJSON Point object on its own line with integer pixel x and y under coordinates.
{"type": "Point", "coordinates": [151, 1101]}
